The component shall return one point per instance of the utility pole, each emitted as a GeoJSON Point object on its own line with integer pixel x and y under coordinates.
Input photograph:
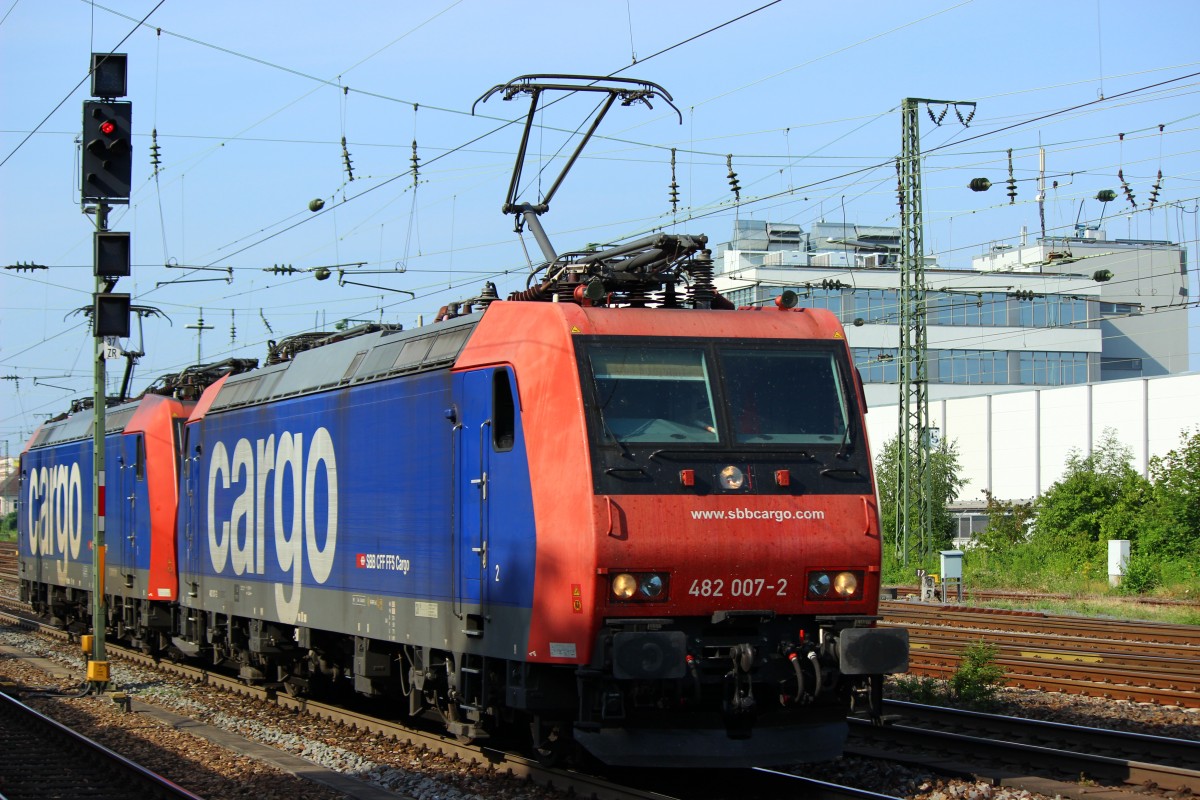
{"type": "Point", "coordinates": [199, 328]}
{"type": "Point", "coordinates": [97, 672]}
{"type": "Point", "coordinates": [106, 163]}
{"type": "Point", "coordinates": [914, 512]}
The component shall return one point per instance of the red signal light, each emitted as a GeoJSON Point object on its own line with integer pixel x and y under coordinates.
{"type": "Point", "coordinates": [107, 127]}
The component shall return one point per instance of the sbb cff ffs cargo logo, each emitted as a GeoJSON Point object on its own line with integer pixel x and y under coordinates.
{"type": "Point", "coordinates": [56, 511]}
{"type": "Point", "coordinates": [271, 505]}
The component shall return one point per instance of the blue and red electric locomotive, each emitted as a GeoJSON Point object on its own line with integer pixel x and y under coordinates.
{"type": "Point", "coordinates": [612, 510]}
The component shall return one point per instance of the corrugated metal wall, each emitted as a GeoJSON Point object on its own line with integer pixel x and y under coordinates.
{"type": "Point", "coordinates": [1016, 443]}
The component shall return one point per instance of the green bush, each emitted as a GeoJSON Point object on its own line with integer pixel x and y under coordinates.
{"type": "Point", "coordinates": [921, 689]}
{"type": "Point", "coordinates": [978, 677]}
{"type": "Point", "coordinates": [975, 683]}
{"type": "Point", "coordinates": [1143, 574]}
{"type": "Point", "coordinates": [8, 527]}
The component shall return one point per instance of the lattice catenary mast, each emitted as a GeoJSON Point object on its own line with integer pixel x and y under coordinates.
{"type": "Point", "coordinates": [914, 512]}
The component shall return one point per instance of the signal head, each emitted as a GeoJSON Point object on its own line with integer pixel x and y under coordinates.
{"type": "Point", "coordinates": [108, 74]}
{"type": "Point", "coordinates": [107, 163]}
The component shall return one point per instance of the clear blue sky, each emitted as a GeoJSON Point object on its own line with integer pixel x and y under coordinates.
{"type": "Point", "coordinates": [250, 104]}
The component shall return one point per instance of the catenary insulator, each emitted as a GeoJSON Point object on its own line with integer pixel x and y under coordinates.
{"type": "Point", "coordinates": [346, 160]}
{"type": "Point", "coordinates": [155, 160]}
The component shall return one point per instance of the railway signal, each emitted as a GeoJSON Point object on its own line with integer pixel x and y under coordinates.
{"type": "Point", "coordinates": [107, 174]}
{"type": "Point", "coordinates": [111, 254]}
{"type": "Point", "coordinates": [108, 75]}
{"type": "Point", "coordinates": [110, 315]}
{"type": "Point", "coordinates": [107, 150]}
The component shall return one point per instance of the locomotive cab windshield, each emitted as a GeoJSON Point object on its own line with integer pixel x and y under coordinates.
{"type": "Point", "coordinates": [784, 404]}
{"type": "Point", "coordinates": [719, 393]}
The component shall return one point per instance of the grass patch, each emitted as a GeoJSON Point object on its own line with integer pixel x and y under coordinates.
{"type": "Point", "coordinates": [974, 684]}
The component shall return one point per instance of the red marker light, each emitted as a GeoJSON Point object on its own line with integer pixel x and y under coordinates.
{"type": "Point", "coordinates": [687, 477]}
{"type": "Point", "coordinates": [107, 127]}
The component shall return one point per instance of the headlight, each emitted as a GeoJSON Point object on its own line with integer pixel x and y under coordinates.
{"type": "Point", "coordinates": [623, 586]}
{"type": "Point", "coordinates": [845, 584]}
{"type": "Point", "coordinates": [640, 587]}
{"type": "Point", "coordinates": [732, 478]}
{"type": "Point", "coordinates": [652, 586]}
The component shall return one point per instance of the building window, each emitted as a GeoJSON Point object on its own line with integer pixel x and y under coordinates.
{"type": "Point", "coordinates": [741, 297]}
{"type": "Point", "coordinates": [970, 367]}
{"type": "Point", "coordinates": [1128, 364]}
{"type": "Point", "coordinates": [1118, 309]}
{"type": "Point", "coordinates": [1052, 369]}
{"type": "Point", "coordinates": [874, 305]}
{"type": "Point", "coordinates": [1052, 312]}
{"type": "Point", "coordinates": [877, 364]}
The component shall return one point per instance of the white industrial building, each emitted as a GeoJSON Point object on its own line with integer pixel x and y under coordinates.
{"type": "Point", "coordinates": [1016, 444]}
{"type": "Point", "coordinates": [1034, 352]}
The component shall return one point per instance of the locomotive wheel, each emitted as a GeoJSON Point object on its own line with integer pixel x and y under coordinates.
{"type": "Point", "coordinates": [550, 750]}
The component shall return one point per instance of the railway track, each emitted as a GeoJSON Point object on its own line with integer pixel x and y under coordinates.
{"type": "Point", "coordinates": [1008, 746]}
{"type": "Point", "coordinates": [41, 758]}
{"type": "Point", "coordinates": [496, 760]}
{"type": "Point", "coordinates": [1164, 750]}
{"type": "Point", "coordinates": [1137, 661]}
{"type": "Point", "coordinates": [620, 785]}
{"type": "Point", "coordinates": [8, 560]}
{"type": "Point", "coordinates": [748, 784]}
{"type": "Point", "coordinates": [943, 740]}
{"type": "Point", "coordinates": [1036, 622]}
{"type": "Point", "coordinates": [939, 634]}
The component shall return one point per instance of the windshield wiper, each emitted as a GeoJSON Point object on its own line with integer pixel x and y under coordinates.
{"type": "Point", "coordinates": [617, 471]}
{"type": "Point", "coordinates": [843, 472]}
{"type": "Point", "coordinates": [609, 431]}
{"type": "Point", "coordinates": [845, 449]}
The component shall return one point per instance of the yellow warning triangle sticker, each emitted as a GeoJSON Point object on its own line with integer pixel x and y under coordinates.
{"type": "Point", "coordinates": [837, 334]}
{"type": "Point", "coordinates": [574, 329]}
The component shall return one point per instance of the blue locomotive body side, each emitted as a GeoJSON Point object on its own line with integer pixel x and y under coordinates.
{"type": "Point", "coordinates": [55, 521]}
{"type": "Point", "coordinates": [56, 516]}
{"type": "Point", "coordinates": [127, 501]}
{"type": "Point", "coordinates": [353, 511]}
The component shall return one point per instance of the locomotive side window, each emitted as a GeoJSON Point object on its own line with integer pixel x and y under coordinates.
{"type": "Point", "coordinates": [654, 394]}
{"type": "Point", "coordinates": [141, 459]}
{"type": "Point", "coordinates": [784, 396]}
{"type": "Point", "coordinates": [504, 412]}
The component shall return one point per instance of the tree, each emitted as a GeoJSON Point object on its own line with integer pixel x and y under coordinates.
{"type": "Point", "coordinates": [1008, 524]}
{"type": "Point", "coordinates": [944, 485]}
{"type": "Point", "coordinates": [1170, 524]}
{"type": "Point", "coordinates": [1099, 497]}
